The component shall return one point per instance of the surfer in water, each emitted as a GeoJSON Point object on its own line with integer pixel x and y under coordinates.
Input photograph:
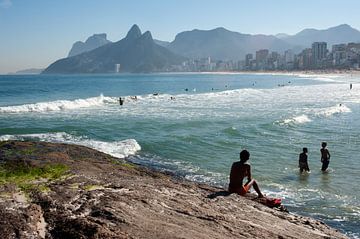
{"type": "Point", "coordinates": [240, 170]}
{"type": "Point", "coordinates": [303, 161]}
{"type": "Point", "coordinates": [325, 156]}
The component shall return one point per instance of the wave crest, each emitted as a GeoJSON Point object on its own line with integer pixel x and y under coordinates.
{"type": "Point", "coordinates": [295, 120]}
{"type": "Point", "coordinates": [333, 110]}
{"type": "Point", "coordinates": [59, 105]}
{"type": "Point", "coordinates": [119, 149]}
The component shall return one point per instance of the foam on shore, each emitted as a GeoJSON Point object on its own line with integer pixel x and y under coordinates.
{"type": "Point", "coordinates": [119, 149]}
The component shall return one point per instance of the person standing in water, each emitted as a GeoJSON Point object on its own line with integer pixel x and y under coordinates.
{"type": "Point", "coordinates": [303, 161]}
{"type": "Point", "coordinates": [121, 101]}
{"type": "Point", "coordinates": [325, 156]}
{"type": "Point", "coordinates": [240, 170]}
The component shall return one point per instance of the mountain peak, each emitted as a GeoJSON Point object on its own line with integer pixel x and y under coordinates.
{"type": "Point", "coordinates": [100, 35]}
{"type": "Point", "coordinates": [146, 36]}
{"type": "Point", "coordinates": [94, 41]}
{"type": "Point", "coordinates": [220, 29]}
{"type": "Point", "coordinates": [134, 32]}
{"type": "Point", "coordinates": [343, 26]}
{"type": "Point", "coordinates": [340, 27]}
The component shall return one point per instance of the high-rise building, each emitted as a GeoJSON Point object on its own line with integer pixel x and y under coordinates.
{"type": "Point", "coordinates": [306, 59]}
{"type": "Point", "coordinates": [339, 54]}
{"type": "Point", "coordinates": [289, 59]}
{"type": "Point", "coordinates": [117, 68]}
{"type": "Point", "coordinates": [289, 56]}
{"type": "Point", "coordinates": [248, 59]}
{"type": "Point", "coordinates": [319, 52]}
{"type": "Point", "coordinates": [261, 58]}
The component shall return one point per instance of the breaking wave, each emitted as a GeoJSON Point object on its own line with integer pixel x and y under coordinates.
{"type": "Point", "coordinates": [119, 149]}
{"type": "Point", "coordinates": [59, 105]}
{"type": "Point", "coordinates": [324, 112]}
{"type": "Point", "coordinates": [333, 110]}
{"type": "Point", "coordinates": [295, 120]}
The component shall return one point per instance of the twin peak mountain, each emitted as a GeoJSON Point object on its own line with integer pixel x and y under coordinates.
{"type": "Point", "coordinates": [140, 53]}
{"type": "Point", "coordinates": [136, 53]}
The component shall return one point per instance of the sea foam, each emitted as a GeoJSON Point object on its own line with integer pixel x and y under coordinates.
{"type": "Point", "coordinates": [59, 105]}
{"type": "Point", "coordinates": [120, 149]}
{"type": "Point", "coordinates": [326, 112]}
{"type": "Point", "coordinates": [301, 119]}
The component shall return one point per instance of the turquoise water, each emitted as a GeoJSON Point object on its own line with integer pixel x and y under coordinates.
{"type": "Point", "coordinates": [200, 133]}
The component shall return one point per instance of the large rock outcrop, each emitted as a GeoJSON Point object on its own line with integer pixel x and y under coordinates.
{"type": "Point", "coordinates": [93, 42]}
{"type": "Point", "coordinates": [99, 196]}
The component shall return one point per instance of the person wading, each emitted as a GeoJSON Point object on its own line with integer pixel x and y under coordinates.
{"type": "Point", "coordinates": [325, 156]}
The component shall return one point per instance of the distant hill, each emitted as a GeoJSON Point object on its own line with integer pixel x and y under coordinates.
{"type": "Point", "coordinates": [223, 44]}
{"type": "Point", "coordinates": [93, 42]}
{"type": "Point", "coordinates": [162, 43]}
{"type": "Point", "coordinates": [282, 35]}
{"type": "Point", "coordinates": [135, 53]}
{"type": "Point", "coordinates": [29, 71]}
{"type": "Point", "coordinates": [334, 35]}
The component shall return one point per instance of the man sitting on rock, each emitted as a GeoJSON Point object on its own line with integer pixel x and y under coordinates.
{"type": "Point", "coordinates": [240, 170]}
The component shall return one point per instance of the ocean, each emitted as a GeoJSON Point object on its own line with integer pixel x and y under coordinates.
{"type": "Point", "coordinates": [195, 125]}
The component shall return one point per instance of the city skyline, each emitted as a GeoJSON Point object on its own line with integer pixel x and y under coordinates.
{"type": "Point", "coordinates": [34, 34]}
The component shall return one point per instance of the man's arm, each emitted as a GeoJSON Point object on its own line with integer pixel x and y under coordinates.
{"type": "Point", "coordinates": [248, 168]}
{"type": "Point", "coordinates": [321, 153]}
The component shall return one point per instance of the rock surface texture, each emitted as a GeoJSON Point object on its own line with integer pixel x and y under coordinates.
{"type": "Point", "coordinates": [104, 197]}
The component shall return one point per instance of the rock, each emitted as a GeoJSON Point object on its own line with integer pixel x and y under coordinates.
{"type": "Point", "coordinates": [93, 42]}
{"type": "Point", "coordinates": [100, 196]}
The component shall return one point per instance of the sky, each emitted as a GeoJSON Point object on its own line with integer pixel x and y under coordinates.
{"type": "Point", "coordinates": [35, 33]}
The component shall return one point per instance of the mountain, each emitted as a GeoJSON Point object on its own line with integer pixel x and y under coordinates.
{"type": "Point", "coordinates": [282, 35]}
{"type": "Point", "coordinates": [162, 43]}
{"type": "Point", "coordinates": [223, 44]}
{"type": "Point", "coordinates": [29, 71]}
{"type": "Point", "coordinates": [334, 35]}
{"type": "Point", "coordinates": [135, 53]}
{"type": "Point", "coordinates": [93, 42]}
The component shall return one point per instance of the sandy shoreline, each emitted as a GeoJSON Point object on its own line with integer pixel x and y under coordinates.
{"type": "Point", "coordinates": [326, 73]}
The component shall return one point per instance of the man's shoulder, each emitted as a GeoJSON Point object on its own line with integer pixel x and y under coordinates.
{"type": "Point", "coordinates": [239, 164]}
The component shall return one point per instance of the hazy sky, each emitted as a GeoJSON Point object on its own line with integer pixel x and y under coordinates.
{"type": "Point", "coordinates": [34, 33]}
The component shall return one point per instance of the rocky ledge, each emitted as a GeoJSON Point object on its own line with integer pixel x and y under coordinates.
{"type": "Point", "coordinates": [67, 191]}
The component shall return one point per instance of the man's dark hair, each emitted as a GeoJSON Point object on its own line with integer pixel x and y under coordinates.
{"type": "Point", "coordinates": [305, 149]}
{"type": "Point", "coordinates": [244, 155]}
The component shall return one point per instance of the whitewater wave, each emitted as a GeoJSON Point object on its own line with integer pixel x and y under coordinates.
{"type": "Point", "coordinates": [326, 112]}
{"type": "Point", "coordinates": [119, 149]}
{"type": "Point", "coordinates": [59, 105]}
{"type": "Point", "coordinates": [295, 120]}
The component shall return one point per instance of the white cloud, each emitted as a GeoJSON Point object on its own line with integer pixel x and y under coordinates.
{"type": "Point", "coordinates": [5, 3]}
